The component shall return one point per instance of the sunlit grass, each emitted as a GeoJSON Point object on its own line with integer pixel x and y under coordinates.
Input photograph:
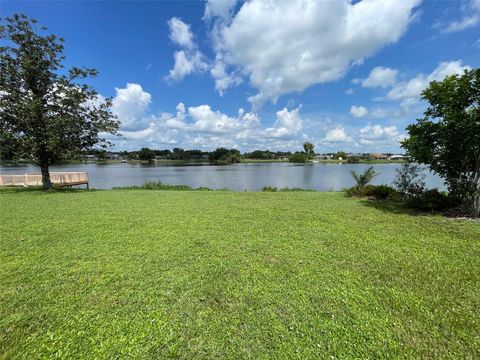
{"type": "Point", "coordinates": [156, 274]}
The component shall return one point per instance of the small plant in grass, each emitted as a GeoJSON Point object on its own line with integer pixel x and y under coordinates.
{"type": "Point", "coordinates": [157, 185]}
{"type": "Point", "coordinates": [295, 189]}
{"type": "Point", "coordinates": [362, 180]}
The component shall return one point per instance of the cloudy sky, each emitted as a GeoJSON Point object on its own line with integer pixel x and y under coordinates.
{"type": "Point", "coordinates": [264, 74]}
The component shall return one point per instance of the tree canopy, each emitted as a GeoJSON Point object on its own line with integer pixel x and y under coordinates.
{"type": "Point", "coordinates": [298, 157]}
{"type": "Point", "coordinates": [225, 156]}
{"type": "Point", "coordinates": [308, 147]}
{"type": "Point", "coordinates": [46, 112]}
{"type": "Point", "coordinates": [146, 154]}
{"type": "Point", "coordinates": [447, 138]}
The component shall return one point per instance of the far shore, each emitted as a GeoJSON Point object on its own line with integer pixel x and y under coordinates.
{"type": "Point", "coordinates": [193, 162]}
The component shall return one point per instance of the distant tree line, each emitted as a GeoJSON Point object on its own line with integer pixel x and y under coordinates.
{"type": "Point", "coordinates": [218, 155]}
{"type": "Point", "coordinates": [267, 155]}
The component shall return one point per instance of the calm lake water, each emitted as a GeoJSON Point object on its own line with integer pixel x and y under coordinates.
{"type": "Point", "coordinates": [238, 177]}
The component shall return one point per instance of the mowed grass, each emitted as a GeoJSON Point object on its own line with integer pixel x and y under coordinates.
{"type": "Point", "coordinates": [158, 274]}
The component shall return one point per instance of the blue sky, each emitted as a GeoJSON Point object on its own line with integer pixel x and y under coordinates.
{"type": "Point", "coordinates": [264, 74]}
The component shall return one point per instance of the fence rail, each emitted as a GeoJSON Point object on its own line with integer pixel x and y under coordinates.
{"type": "Point", "coordinates": [57, 178]}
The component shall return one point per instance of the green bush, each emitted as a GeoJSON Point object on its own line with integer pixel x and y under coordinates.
{"type": "Point", "coordinates": [157, 185]}
{"type": "Point", "coordinates": [269, 189]}
{"type": "Point", "coordinates": [395, 197]}
{"type": "Point", "coordinates": [431, 200]}
{"type": "Point", "coordinates": [360, 191]}
{"type": "Point", "coordinates": [382, 192]}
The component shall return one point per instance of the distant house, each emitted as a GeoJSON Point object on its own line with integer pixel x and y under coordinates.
{"type": "Point", "coordinates": [89, 157]}
{"type": "Point", "coordinates": [377, 156]}
{"type": "Point", "coordinates": [323, 157]}
{"type": "Point", "coordinates": [112, 156]}
{"type": "Point", "coordinates": [399, 157]}
{"type": "Point", "coordinates": [353, 155]}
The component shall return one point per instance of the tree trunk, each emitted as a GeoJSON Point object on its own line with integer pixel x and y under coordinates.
{"type": "Point", "coordinates": [47, 184]}
{"type": "Point", "coordinates": [476, 186]}
{"type": "Point", "coordinates": [476, 206]}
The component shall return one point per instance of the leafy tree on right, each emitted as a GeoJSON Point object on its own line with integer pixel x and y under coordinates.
{"type": "Point", "coordinates": [447, 138]}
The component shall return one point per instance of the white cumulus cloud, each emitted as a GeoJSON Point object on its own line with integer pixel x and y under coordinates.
{"type": "Point", "coordinates": [223, 80]}
{"type": "Point", "coordinates": [130, 105]}
{"type": "Point", "coordinates": [189, 60]}
{"type": "Point", "coordinates": [337, 135]}
{"type": "Point", "coordinates": [471, 18]}
{"type": "Point", "coordinates": [285, 46]}
{"type": "Point", "coordinates": [382, 77]}
{"type": "Point", "coordinates": [358, 111]}
{"type": "Point", "coordinates": [219, 8]}
{"type": "Point", "coordinates": [414, 87]}
{"type": "Point", "coordinates": [288, 124]}
{"type": "Point", "coordinates": [205, 119]}
{"type": "Point", "coordinates": [180, 33]}
{"type": "Point", "coordinates": [187, 63]}
{"type": "Point", "coordinates": [380, 136]}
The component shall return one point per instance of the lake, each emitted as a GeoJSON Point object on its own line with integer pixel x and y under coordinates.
{"type": "Point", "coordinates": [238, 177]}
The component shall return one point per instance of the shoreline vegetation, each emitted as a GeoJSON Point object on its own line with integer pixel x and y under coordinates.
{"type": "Point", "coordinates": [196, 274]}
{"type": "Point", "coordinates": [424, 201]}
{"type": "Point", "coordinates": [437, 202]}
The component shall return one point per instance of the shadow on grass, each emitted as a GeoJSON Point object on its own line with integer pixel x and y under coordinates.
{"type": "Point", "coordinates": [39, 190]}
{"type": "Point", "coordinates": [393, 207]}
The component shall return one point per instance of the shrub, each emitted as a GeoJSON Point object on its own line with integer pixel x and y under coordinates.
{"type": "Point", "coordinates": [157, 185]}
{"type": "Point", "coordinates": [353, 160]}
{"type": "Point", "coordinates": [409, 180]}
{"type": "Point", "coordinates": [431, 200]}
{"type": "Point", "coordinates": [269, 189]}
{"type": "Point", "coordinates": [360, 191]}
{"type": "Point", "coordinates": [152, 185]}
{"type": "Point", "coordinates": [395, 197]}
{"type": "Point", "coordinates": [382, 192]}
{"type": "Point", "coordinates": [364, 178]}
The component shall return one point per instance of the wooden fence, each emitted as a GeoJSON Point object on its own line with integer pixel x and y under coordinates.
{"type": "Point", "coordinates": [57, 178]}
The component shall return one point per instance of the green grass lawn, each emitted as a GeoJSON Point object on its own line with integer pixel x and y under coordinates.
{"type": "Point", "coordinates": [156, 274]}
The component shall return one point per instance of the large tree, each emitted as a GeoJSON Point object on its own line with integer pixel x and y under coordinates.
{"type": "Point", "coordinates": [308, 147]}
{"type": "Point", "coordinates": [146, 154]}
{"type": "Point", "coordinates": [447, 138]}
{"type": "Point", "coordinates": [46, 112]}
